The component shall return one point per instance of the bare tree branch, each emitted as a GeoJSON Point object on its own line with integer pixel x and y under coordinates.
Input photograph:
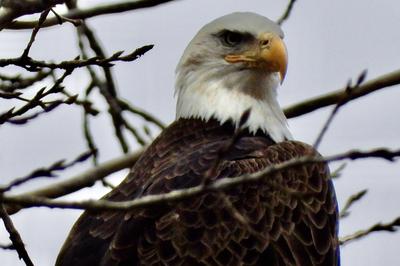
{"type": "Point", "coordinates": [338, 171]}
{"type": "Point", "coordinates": [392, 226]}
{"type": "Point", "coordinates": [122, 6]}
{"type": "Point", "coordinates": [109, 91]}
{"type": "Point", "coordinates": [296, 110]}
{"type": "Point", "coordinates": [29, 200]}
{"type": "Point", "coordinates": [12, 83]}
{"type": "Point", "coordinates": [46, 106]}
{"type": "Point", "coordinates": [36, 65]}
{"type": "Point", "coordinates": [334, 97]}
{"type": "Point", "coordinates": [36, 101]}
{"type": "Point", "coordinates": [42, 18]}
{"type": "Point", "coordinates": [85, 179]}
{"type": "Point", "coordinates": [15, 237]}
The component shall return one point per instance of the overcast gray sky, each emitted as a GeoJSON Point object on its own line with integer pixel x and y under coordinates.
{"type": "Point", "coordinates": [328, 43]}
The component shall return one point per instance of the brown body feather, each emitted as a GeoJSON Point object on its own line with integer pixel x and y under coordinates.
{"type": "Point", "coordinates": [291, 216]}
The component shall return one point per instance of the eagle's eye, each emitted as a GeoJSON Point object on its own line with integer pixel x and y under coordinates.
{"type": "Point", "coordinates": [231, 38]}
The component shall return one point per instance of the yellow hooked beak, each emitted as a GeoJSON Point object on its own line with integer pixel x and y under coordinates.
{"type": "Point", "coordinates": [269, 54]}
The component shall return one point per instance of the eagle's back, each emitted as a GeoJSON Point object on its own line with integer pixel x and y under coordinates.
{"type": "Point", "coordinates": [288, 219]}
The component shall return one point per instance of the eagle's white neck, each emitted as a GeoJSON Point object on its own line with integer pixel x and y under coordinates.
{"type": "Point", "coordinates": [218, 92]}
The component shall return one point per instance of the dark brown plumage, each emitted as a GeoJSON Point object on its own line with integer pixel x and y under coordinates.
{"type": "Point", "coordinates": [292, 216]}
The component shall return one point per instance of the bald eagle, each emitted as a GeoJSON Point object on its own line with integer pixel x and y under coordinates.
{"type": "Point", "coordinates": [233, 64]}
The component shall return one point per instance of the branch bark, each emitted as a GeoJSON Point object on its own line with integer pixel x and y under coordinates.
{"type": "Point", "coordinates": [13, 9]}
{"type": "Point", "coordinates": [113, 8]}
{"type": "Point", "coordinates": [392, 226]}
{"type": "Point", "coordinates": [82, 180]}
{"type": "Point", "coordinates": [285, 16]}
{"type": "Point", "coordinates": [334, 97]}
{"type": "Point", "coordinates": [15, 237]}
{"type": "Point", "coordinates": [29, 200]}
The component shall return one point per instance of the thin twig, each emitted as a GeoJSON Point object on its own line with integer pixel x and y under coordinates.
{"type": "Point", "coordinates": [95, 82]}
{"type": "Point", "coordinates": [46, 171]}
{"type": "Point", "coordinates": [13, 83]}
{"type": "Point", "coordinates": [145, 115]}
{"type": "Point", "coordinates": [287, 12]}
{"type": "Point", "coordinates": [392, 226]}
{"type": "Point", "coordinates": [338, 171]}
{"type": "Point", "coordinates": [15, 237]}
{"type": "Point", "coordinates": [86, 104]}
{"type": "Point", "coordinates": [135, 133]}
{"type": "Point", "coordinates": [46, 106]}
{"type": "Point", "coordinates": [36, 65]}
{"type": "Point", "coordinates": [327, 124]}
{"type": "Point", "coordinates": [42, 18]}
{"type": "Point", "coordinates": [344, 212]}
{"type": "Point", "coordinates": [349, 89]}
{"type": "Point", "coordinates": [35, 101]}
{"type": "Point", "coordinates": [109, 91]}
{"type": "Point", "coordinates": [88, 137]}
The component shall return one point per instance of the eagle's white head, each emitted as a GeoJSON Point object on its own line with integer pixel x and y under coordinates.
{"type": "Point", "coordinates": [234, 63]}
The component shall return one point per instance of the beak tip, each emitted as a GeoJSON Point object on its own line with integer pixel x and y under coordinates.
{"type": "Point", "coordinates": [282, 75]}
